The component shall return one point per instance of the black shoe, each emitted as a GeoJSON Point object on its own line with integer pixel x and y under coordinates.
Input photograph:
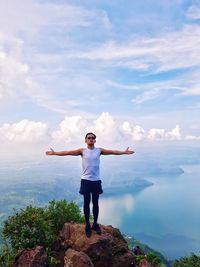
{"type": "Point", "coordinates": [88, 230]}
{"type": "Point", "coordinates": [96, 228]}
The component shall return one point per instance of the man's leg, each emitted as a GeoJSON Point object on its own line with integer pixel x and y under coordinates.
{"type": "Point", "coordinates": [86, 208]}
{"type": "Point", "coordinates": [95, 201]}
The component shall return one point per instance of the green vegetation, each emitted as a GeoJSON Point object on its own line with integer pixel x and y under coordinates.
{"type": "Point", "coordinates": [36, 226]}
{"type": "Point", "coordinates": [151, 258]}
{"type": "Point", "coordinates": [132, 242]}
{"type": "Point", "coordinates": [191, 261]}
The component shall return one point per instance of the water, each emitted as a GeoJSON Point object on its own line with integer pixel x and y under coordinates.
{"type": "Point", "coordinates": [165, 216]}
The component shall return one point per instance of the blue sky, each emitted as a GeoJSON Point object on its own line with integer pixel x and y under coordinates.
{"type": "Point", "coordinates": [130, 69]}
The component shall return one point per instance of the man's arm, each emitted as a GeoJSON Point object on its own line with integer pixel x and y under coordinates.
{"type": "Point", "coordinates": [75, 152]}
{"type": "Point", "coordinates": [116, 152]}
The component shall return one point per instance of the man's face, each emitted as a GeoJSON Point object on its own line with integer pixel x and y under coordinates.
{"type": "Point", "coordinates": [90, 140]}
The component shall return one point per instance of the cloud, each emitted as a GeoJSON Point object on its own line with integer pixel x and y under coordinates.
{"type": "Point", "coordinates": [147, 95]}
{"type": "Point", "coordinates": [32, 137]}
{"type": "Point", "coordinates": [13, 72]}
{"type": "Point", "coordinates": [16, 82]}
{"type": "Point", "coordinates": [29, 17]}
{"type": "Point", "coordinates": [51, 57]}
{"type": "Point", "coordinates": [71, 129]}
{"type": "Point", "coordinates": [23, 38]}
{"type": "Point", "coordinates": [23, 132]}
{"type": "Point", "coordinates": [193, 12]}
{"type": "Point", "coordinates": [169, 51]}
{"type": "Point", "coordinates": [192, 137]}
{"type": "Point", "coordinates": [137, 133]}
{"type": "Point", "coordinates": [174, 134]}
{"type": "Point", "coordinates": [109, 131]}
{"type": "Point", "coordinates": [156, 134]}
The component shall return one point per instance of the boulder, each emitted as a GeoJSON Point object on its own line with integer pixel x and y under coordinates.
{"type": "Point", "coordinates": [109, 249]}
{"type": "Point", "coordinates": [144, 263]}
{"type": "Point", "coordinates": [75, 258]}
{"type": "Point", "coordinates": [31, 257]}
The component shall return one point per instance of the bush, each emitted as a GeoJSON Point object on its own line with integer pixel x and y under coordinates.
{"type": "Point", "coordinates": [36, 226]}
{"type": "Point", "coordinates": [152, 258]}
{"type": "Point", "coordinates": [28, 228]}
{"type": "Point", "coordinates": [138, 258]}
{"type": "Point", "coordinates": [59, 212]}
{"type": "Point", "coordinates": [190, 261]}
{"type": "Point", "coordinates": [7, 255]}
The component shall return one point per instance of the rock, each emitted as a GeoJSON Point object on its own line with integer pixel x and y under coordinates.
{"type": "Point", "coordinates": [109, 249]}
{"type": "Point", "coordinates": [137, 250]}
{"type": "Point", "coordinates": [144, 263]}
{"type": "Point", "coordinates": [34, 257]}
{"type": "Point", "coordinates": [75, 258]}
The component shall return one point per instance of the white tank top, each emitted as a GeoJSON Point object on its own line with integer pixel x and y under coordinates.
{"type": "Point", "coordinates": [90, 164]}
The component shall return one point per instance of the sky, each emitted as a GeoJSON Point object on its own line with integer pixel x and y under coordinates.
{"type": "Point", "coordinates": [127, 70]}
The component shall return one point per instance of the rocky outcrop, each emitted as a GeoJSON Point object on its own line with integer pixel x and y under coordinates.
{"type": "Point", "coordinates": [144, 263]}
{"type": "Point", "coordinates": [74, 249]}
{"type": "Point", "coordinates": [35, 257]}
{"type": "Point", "coordinates": [75, 258]}
{"type": "Point", "coordinates": [105, 250]}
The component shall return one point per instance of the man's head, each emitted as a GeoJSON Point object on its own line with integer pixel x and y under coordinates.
{"type": "Point", "coordinates": [90, 138]}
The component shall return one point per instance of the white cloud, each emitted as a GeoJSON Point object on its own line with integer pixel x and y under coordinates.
{"type": "Point", "coordinates": [193, 12]}
{"type": "Point", "coordinates": [32, 137]}
{"type": "Point", "coordinates": [110, 131]}
{"type": "Point", "coordinates": [147, 95]}
{"type": "Point", "coordinates": [71, 130]}
{"type": "Point", "coordinates": [191, 91]}
{"type": "Point", "coordinates": [23, 132]}
{"type": "Point", "coordinates": [169, 51]}
{"type": "Point", "coordinates": [136, 132]}
{"type": "Point", "coordinates": [13, 72]}
{"type": "Point", "coordinates": [154, 134]}
{"type": "Point", "coordinates": [107, 129]}
{"type": "Point", "coordinates": [74, 128]}
{"type": "Point", "coordinates": [29, 17]}
{"type": "Point", "coordinates": [174, 134]}
{"type": "Point", "coordinates": [192, 137]}
{"type": "Point", "coordinates": [21, 41]}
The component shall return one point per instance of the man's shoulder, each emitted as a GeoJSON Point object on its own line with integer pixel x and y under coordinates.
{"type": "Point", "coordinates": [81, 150]}
{"type": "Point", "coordinates": [100, 149]}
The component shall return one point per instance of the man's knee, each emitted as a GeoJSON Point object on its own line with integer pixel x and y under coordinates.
{"type": "Point", "coordinates": [86, 198]}
{"type": "Point", "coordinates": [95, 198]}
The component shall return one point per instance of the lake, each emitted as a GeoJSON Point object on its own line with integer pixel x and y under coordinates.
{"type": "Point", "coordinates": [165, 216]}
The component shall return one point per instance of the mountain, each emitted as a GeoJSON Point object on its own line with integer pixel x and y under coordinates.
{"type": "Point", "coordinates": [73, 249]}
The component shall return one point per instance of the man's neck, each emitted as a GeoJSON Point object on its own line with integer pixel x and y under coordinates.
{"type": "Point", "coordinates": [90, 147]}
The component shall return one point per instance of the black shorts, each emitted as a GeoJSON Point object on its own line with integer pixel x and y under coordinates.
{"type": "Point", "coordinates": [87, 186]}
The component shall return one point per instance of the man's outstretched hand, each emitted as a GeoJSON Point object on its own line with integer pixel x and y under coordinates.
{"type": "Point", "coordinates": [128, 152]}
{"type": "Point", "coordinates": [50, 152]}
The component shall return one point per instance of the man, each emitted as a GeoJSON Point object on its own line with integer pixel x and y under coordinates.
{"type": "Point", "coordinates": [90, 179]}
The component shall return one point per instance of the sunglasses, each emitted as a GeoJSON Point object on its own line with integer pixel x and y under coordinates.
{"type": "Point", "coordinates": [91, 137]}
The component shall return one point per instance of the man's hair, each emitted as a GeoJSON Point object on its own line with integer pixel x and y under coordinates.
{"type": "Point", "coordinates": [90, 133]}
